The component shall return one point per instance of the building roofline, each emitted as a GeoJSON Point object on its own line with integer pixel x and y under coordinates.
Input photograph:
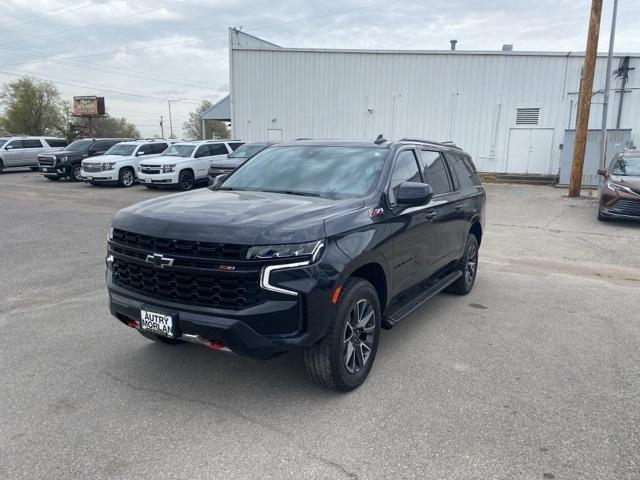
{"type": "Point", "coordinates": [512, 53]}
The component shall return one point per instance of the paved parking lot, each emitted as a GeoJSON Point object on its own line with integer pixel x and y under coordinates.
{"type": "Point", "coordinates": [536, 374]}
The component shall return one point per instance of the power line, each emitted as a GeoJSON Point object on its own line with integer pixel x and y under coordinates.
{"type": "Point", "coordinates": [78, 63]}
{"type": "Point", "coordinates": [80, 27]}
{"type": "Point", "coordinates": [197, 39]}
{"type": "Point", "coordinates": [45, 16]}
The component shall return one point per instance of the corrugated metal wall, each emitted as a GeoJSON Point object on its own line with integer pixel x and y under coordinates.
{"type": "Point", "coordinates": [468, 98]}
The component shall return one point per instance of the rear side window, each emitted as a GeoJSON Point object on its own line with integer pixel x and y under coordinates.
{"type": "Point", "coordinates": [158, 147]}
{"type": "Point", "coordinates": [55, 142]}
{"type": "Point", "coordinates": [234, 146]}
{"type": "Point", "coordinates": [404, 170]}
{"type": "Point", "coordinates": [31, 143]}
{"type": "Point", "coordinates": [217, 149]}
{"type": "Point", "coordinates": [203, 151]}
{"type": "Point", "coordinates": [465, 171]}
{"type": "Point", "coordinates": [436, 171]}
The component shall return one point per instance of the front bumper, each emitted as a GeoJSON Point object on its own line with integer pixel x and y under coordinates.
{"type": "Point", "coordinates": [277, 325]}
{"type": "Point", "coordinates": [158, 178]}
{"type": "Point", "coordinates": [99, 177]}
{"type": "Point", "coordinates": [621, 205]}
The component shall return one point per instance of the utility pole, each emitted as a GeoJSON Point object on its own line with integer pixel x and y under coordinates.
{"type": "Point", "coordinates": [584, 100]}
{"type": "Point", "coordinates": [161, 127]}
{"type": "Point", "coordinates": [607, 89]}
{"type": "Point", "coordinates": [170, 122]}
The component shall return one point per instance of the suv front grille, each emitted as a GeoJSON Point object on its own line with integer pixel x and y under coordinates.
{"type": "Point", "coordinates": [150, 169]}
{"type": "Point", "coordinates": [212, 289]}
{"type": "Point", "coordinates": [218, 251]}
{"type": "Point", "coordinates": [92, 167]}
{"type": "Point", "coordinates": [202, 273]}
{"type": "Point", "coordinates": [48, 161]}
{"type": "Point", "coordinates": [627, 207]}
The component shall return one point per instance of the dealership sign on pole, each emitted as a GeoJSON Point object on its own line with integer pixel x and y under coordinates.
{"type": "Point", "coordinates": [88, 106]}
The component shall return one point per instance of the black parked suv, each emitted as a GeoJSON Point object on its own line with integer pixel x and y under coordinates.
{"type": "Point", "coordinates": [67, 162]}
{"type": "Point", "coordinates": [312, 245]}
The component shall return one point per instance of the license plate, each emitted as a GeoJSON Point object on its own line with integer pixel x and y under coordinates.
{"type": "Point", "coordinates": [88, 178]}
{"type": "Point", "coordinates": [155, 322]}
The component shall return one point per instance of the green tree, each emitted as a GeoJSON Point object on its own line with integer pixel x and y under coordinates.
{"type": "Point", "coordinates": [214, 128]}
{"type": "Point", "coordinates": [31, 106]}
{"type": "Point", "coordinates": [111, 127]}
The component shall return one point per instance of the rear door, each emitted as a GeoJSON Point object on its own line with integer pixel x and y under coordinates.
{"type": "Point", "coordinates": [31, 148]}
{"type": "Point", "coordinates": [445, 212]}
{"type": "Point", "coordinates": [201, 162]}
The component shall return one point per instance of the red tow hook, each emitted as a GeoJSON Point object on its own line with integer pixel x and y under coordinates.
{"type": "Point", "coordinates": [133, 324]}
{"type": "Point", "coordinates": [213, 345]}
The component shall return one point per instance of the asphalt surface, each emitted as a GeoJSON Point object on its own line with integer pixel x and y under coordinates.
{"type": "Point", "coordinates": [535, 374]}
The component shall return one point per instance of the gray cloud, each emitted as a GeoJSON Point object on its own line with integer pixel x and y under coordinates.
{"type": "Point", "coordinates": [198, 69]}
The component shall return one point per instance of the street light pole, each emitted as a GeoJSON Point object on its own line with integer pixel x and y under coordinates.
{"type": "Point", "coordinates": [170, 121]}
{"type": "Point", "coordinates": [607, 89]}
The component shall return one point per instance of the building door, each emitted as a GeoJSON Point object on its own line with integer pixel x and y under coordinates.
{"type": "Point", "coordinates": [530, 150]}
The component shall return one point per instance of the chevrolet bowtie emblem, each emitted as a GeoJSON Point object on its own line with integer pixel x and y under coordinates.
{"type": "Point", "coordinates": [159, 260]}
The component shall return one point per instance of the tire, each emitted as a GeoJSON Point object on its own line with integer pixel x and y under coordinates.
{"type": "Point", "coordinates": [159, 338]}
{"type": "Point", "coordinates": [126, 177]}
{"type": "Point", "coordinates": [602, 217]}
{"type": "Point", "coordinates": [52, 177]}
{"type": "Point", "coordinates": [74, 172]}
{"type": "Point", "coordinates": [185, 180]}
{"type": "Point", "coordinates": [339, 364]}
{"type": "Point", "coordinates": [1, 166]}
{"type": "Point", "coordinates": [469, 267]}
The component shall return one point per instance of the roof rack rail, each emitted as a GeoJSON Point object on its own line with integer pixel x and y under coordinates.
{"type": "Point", "coordinates": [449, 144]}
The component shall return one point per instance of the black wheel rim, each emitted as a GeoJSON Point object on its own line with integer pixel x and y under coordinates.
{"type": "Point", "coordinates": [127, 178]}
{"type": "Point", "coordinates": [472, 265]}
{"type": "Point", "coordinates": [186, 182]}
{"type": "Point", "coordinates": [358, 336]}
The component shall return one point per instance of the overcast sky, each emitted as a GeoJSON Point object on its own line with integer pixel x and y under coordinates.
{"type": "Point", "coordinates": [157, 51]}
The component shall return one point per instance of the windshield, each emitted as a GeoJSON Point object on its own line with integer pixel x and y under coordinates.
{"type": "Point", "coordinates": [179, 151]}
{"type": "Point", "coordinates": [305, 170]}
{"type": "Point", "coordinates": [121, 149]}
{"type": "Point", "coordinates": [628, 166]}
{"type": "Point", "coordinates": [79, 145]}
{"type": "Point", "coordinates": [247, 150]}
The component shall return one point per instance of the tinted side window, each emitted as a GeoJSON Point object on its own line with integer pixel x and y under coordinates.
{"type": "Point", "coordinates": [404, 170]}
{"type": "Point", "coordinates": [158, 147]}
{"type": "Point", "coordinates": [464, 169]}
{"type": "Point", "coordinates": [234, 146]}
{"type": "Point", "coordinates": [54, 142]}
{"type": "Point", "coordinates": [202, 151]}
{"type": "Point", "coordinates": [33, 143]}
{"type": "Point", "coordinates": [218, 149]}
{"type": "Point", "coordinates": [102, 146]}
{"type": "Point", "coordinates": [15, 144]}
{"type": "Point", "coordinates": [437, 174]}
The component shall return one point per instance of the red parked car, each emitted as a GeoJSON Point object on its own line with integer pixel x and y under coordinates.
{"type": "Point", "coordinates": [620, 189]}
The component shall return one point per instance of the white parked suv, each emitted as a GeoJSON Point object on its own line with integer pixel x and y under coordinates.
{"type": "Point", "coordinates": [119, 164]}
{"type": "Point", "coordinates": [184, 164]}
{"type": "Point", "coordinates": [23, 151]}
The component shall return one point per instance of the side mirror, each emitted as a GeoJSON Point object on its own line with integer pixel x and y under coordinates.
{"type": "Point", "coordinates": [414, 193]}
{"type": "Point", "coordinates": [218, 180]}
{"type": "Point", "coordinates": [602, 172]}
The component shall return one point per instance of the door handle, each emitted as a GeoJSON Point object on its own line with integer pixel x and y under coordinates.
{"type": "Point", "coordinates": [459, 207]}
{"type": "Point", "coordinates": [431, 215]}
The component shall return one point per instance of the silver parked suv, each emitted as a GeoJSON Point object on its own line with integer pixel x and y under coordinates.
{"type": "Point", "coordinates": [23, 151]}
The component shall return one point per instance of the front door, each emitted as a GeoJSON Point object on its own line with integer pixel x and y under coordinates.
{"type": "Point", "coordinates": [14, 154]}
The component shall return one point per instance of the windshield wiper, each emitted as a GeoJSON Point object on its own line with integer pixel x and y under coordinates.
{"type": "Point", "coordinates": [293, 192]}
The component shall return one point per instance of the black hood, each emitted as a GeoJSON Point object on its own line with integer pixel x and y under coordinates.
{"type": "Point", "coordinates": [236, 217]}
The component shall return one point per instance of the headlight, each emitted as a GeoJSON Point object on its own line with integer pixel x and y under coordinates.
{"type": "Point", "coordinates": [291, 250]}
{"type": "Point", "coordinates": [616, 187]}
{"type": "Point", "coordinates": [108, 165]}
{"type": "Point", "coordinates": [168, 168]}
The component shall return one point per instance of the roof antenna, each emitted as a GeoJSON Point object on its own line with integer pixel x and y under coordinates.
{"type": "Point", "coordinates": [380, 140]}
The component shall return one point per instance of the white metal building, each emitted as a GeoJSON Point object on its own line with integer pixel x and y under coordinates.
{"type": "Point", "coordinates": [509, 109]}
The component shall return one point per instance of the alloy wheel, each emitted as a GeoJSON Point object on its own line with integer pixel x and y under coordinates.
{"type": "Point", "coordinates": [76, 172]}
{"type": "Point", "coordinates": [358, 336]}
{"type": "Point", "coordinates": [127, 178]}
{"type": "Point", "coordinates": [472, 265]}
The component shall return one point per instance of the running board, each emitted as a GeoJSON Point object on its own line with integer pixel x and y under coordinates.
{"type": "Point", "coordinates": [403, 308]}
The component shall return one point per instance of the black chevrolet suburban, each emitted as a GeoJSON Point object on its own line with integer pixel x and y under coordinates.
{"type": "Point", "coordinates": [67, 162]}
{"type": "Point", "coordinates": [312, 245]}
